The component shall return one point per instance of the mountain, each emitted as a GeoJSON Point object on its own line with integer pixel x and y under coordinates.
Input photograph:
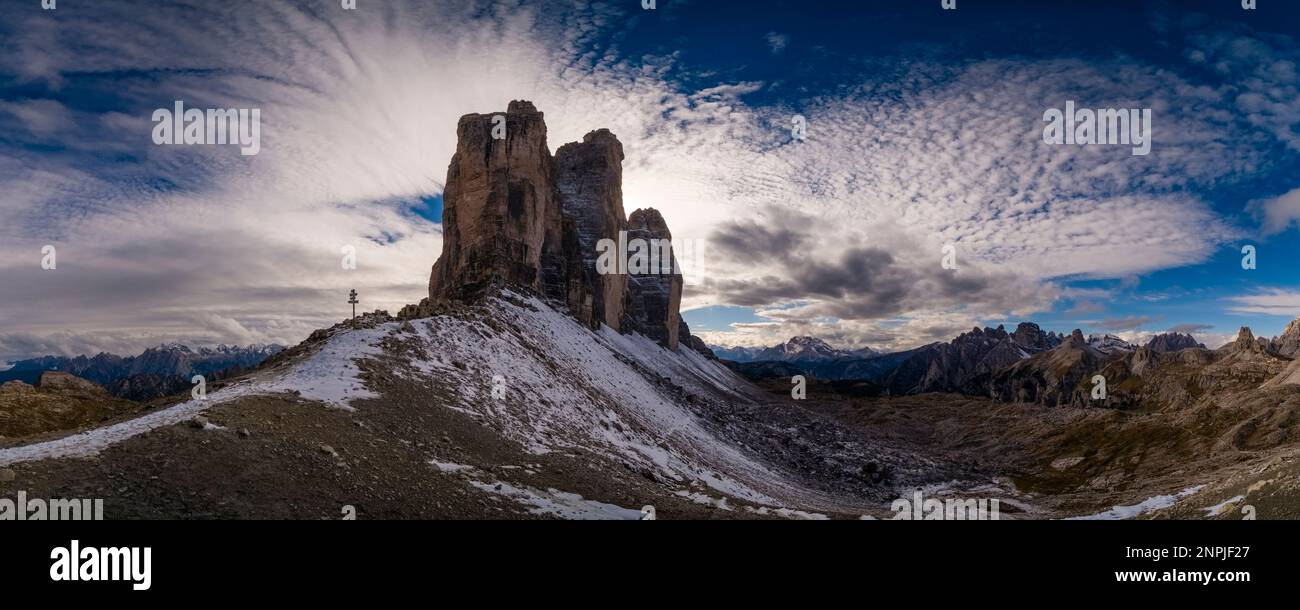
{"type": "Point", "coordinates": [738, 353]}
{"type": "Point", "coordinates": [1172, 342]}
{"type": "Point", "coordinates": [514, 215]}
{"type": "Point", "coordinates": [1288, 343]}
{"type": "Point", "coordinates": [1050, 378]}
{"type": "Point", "coordinates": [1110, 344]}
{"type": "Point", "coordinates": [949, 367]}
{"type": "Point", "coordinates": [797, 349]}
{"type": "Point", "coordinates": [158, 371]}
{"type": "Point", "coordinates": [810, 349]}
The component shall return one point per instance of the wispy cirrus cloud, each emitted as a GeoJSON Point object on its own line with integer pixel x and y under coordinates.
{"type": "Point", "coordinates": [1270, 301]}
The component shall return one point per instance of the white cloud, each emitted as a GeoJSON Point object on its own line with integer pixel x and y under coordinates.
{"type": "Point", "coordinates": [1272, 301]}
{"type": "Point", "coordinates": [1278, 213]}
{"type": "Point", "coordinates": [777, 42]}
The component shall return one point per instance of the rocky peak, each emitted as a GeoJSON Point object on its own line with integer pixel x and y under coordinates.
{"type": "Point", "coordinates": [502, 219]}
{"type": "Point", "coordinates": [1031, 336]}
{"type": "Point", "coordinates": [1288, 343]}
{"type": "Point", "coordinates": [514, 215]}
{"type": "Point", "coordinates": [1076, 338]}
{"type": "Point", "coordinates": [1245, 342]}
{"type": "Point", "coordinates": [808, 348]}
{"type": "Point", "coordinates": [1172, 342]}
{"type": "Point", "coordinates": [654, 299]}
{"type": "Point", "coordinates": [589, 175]}
{"type": "Point", "coordinates": [1109, 344]}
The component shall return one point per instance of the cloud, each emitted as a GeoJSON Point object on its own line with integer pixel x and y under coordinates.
{"type": "Point", "coordinates": [1278, 213]}
{"type": "Point", "coordinates": [1190, 329]}
{"type": "Point", "coordinates": [859, 275]}
{"type": "Point", "coordinates": [777, 42]}
{"type": "Point", "coordinates": [1130, 323]}
{"type": "Point", "coordinates": [1270, 301]}
{"type": "Point", "coordinates": [1085, 307]}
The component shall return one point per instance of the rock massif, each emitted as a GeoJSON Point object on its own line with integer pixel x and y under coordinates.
{"type": "Point", "coordinates": [514, 215]}
{"type": "Point", "coordinates": [1172, 342]}
{"type": "Point", "coordinates": [952, 367]}
{"type": "Point", "coordinates": [1288, 343]}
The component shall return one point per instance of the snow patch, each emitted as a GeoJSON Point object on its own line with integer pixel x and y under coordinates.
{"type": "Point", "coordinates": [91, 442]}
{"type": "Point", "coordinates": [450, 467]}
{"type": "Point", "coordinates": [555, 503]}
{"type": "Point", "coordinates": [331, 375]}
{"type": "Point", "coordinates": [1129, 512]}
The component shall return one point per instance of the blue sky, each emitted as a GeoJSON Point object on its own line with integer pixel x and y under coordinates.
{"type": "Point", "coordinates": [923, 129]}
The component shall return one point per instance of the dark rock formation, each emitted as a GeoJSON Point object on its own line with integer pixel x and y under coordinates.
{"type": "Point", "coordinates": [590, 179]}
{"type": "Point", "coordinates": [1029, 336]}
{"type": "Point", "coordinates": [1288, 343]}
{"type": "Point", "coordinates": [513, 215]}
{"type": "Point", "coordinates": [1245, 344]}
{"type": "Point", "coordinates": [953, 366]}
{"type": "Point", "coordinates": [1058, 377]}
{"type": "Point", "coordinates": [502, 219]}
{"type": "Point", "coordinates": [653, 299]}
{"type": "Point", "coordinates": [1172, 342]}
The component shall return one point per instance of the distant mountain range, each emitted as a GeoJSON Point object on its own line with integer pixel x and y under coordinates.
{"type": "Point", "coordinates": [1026, 365]}
{"type": "Point", "coordinates": [159, 371]}
{"type": "Point", "coordinates": [797, 349]}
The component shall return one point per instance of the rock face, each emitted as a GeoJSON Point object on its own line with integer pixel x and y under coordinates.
{"type": "Point", "coordinates": [1031, 336]}
{"type": "Point", "coordinates": [590, 180]}
{"type": "Point", "coordinates": [502, 220]}
{"type": "Point", "coordinates": [1288, 343]}
{"type": "Point", "coordinates": [513, 215]}
{"type": "Point", "coordinates": [653, 299]}
{"type": "Point", "coordinates": [1110, 344]}
{"type": "Point", "coordinates": [1056, 377]}
{"type": "Point", "coordinates": [972, 356]}
{"type": "Point", "coordinates": [1172, 342]}
{"type": "Point", "coordinates": [1245, 344]}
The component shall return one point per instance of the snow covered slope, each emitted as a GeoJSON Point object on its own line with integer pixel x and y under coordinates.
{"type": "Point", "coordinates": [541, 379]}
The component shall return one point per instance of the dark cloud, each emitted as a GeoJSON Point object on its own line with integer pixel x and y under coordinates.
{"type": "Point", "coordinates": [857, 283]}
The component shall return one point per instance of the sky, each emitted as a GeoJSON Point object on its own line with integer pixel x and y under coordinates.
{"type": "Point", "coordinates": [924, 128]}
